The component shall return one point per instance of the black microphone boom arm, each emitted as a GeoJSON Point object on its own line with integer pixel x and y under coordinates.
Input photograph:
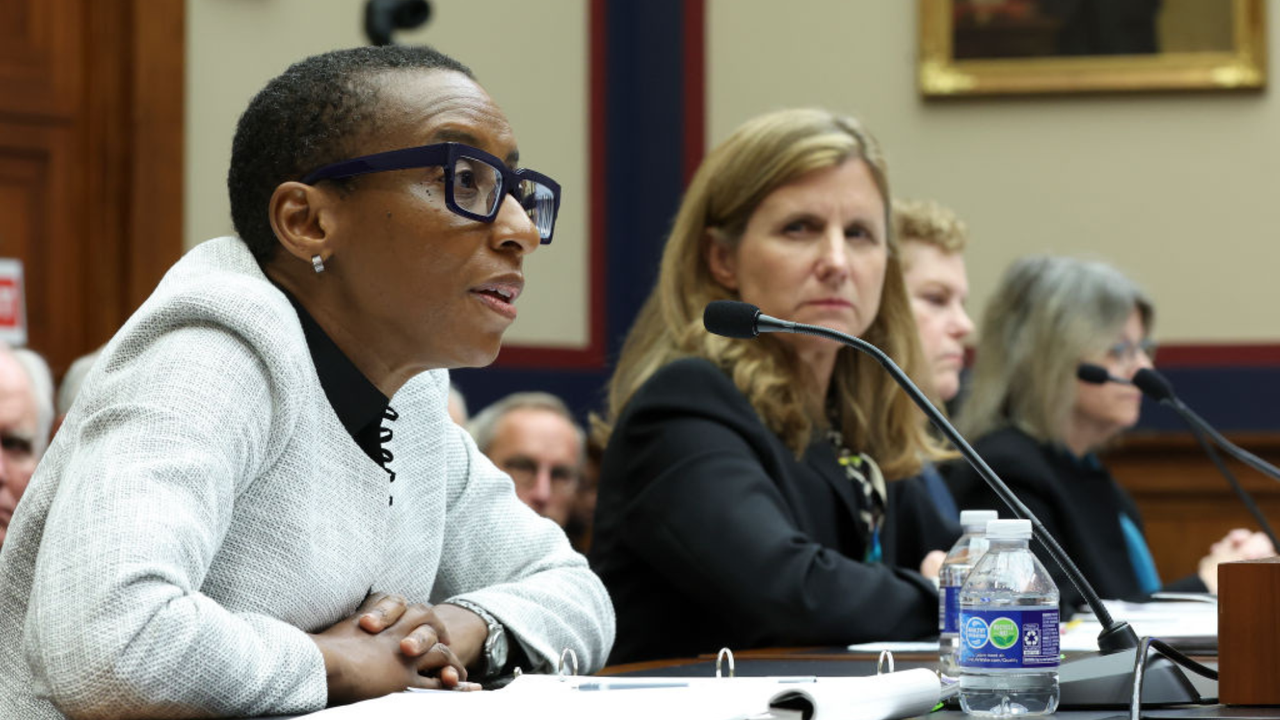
{"type": "Point", "coordinates": [1105, 680]}
{"type": "Point", "coordinates": [1115, 636]}
{"type": "Point", "coordinates": [1155, 386]}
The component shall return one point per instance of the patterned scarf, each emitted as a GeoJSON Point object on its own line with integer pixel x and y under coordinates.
{"type": "Point", "coordinates": [866, 477]}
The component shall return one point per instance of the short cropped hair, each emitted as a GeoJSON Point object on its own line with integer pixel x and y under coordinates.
{"type": "Point", "coordinates": [484, 426]}
{"type": "Point", "coordinates": [928, 222]}
{"type": "Point", "coordinates": [40, 383]}
{"type": "Point", "coordinates": [317, 112]}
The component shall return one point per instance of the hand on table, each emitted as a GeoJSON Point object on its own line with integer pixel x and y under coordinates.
{"type": "Point", "coordinates": [1246, 544]}
{"type": "Point", "coordinates": [931, 566]}
{"type": "Point", "coordinates": [1239, 544]}
{"type": "Point", "coordinates": [387, 646]}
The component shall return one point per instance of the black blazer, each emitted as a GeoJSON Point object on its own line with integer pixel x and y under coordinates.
{"type": "Point", "coordinates": [1078, 502]}
{"type": "Point", "coordinates": [709, 533]}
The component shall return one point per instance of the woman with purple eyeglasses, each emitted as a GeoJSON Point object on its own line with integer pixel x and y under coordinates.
{"type": "Point", "coordinates": [258, 504]}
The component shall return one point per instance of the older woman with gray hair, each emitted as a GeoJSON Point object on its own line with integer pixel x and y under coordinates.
{"type": "Point", "coordinates": [1039, 427]}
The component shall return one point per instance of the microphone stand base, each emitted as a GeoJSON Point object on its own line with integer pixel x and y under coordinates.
{"type": "Point", "coordinates": [1107, 681]}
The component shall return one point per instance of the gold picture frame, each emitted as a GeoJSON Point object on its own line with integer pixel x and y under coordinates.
{"type": "Point", "coordinates": [1241, 65]}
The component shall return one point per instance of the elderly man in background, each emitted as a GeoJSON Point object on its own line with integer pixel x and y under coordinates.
{"type": "Point", "coordinates": [533, 436]}
{"type": "Point", "coordinates": [26, 415]}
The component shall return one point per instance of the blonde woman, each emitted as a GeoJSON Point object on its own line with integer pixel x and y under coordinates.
{"type": "Point", "coordinates": [1040, 428]}
{"type": "Point", "coordinates": [933, 239]}
{"type": "Point", "coordinates": [749, 484]}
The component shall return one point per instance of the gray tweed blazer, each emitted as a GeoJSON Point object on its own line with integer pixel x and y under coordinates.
{"type": "Point", "coordinates": [203, 508]}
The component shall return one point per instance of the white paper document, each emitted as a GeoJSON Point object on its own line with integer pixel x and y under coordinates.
{"type": "Point", "coordinates": [897, 646]}
{"type": "Point", "coordinates": [1174, 622]}
{"type": "Point", "coordinates": [534, 697]}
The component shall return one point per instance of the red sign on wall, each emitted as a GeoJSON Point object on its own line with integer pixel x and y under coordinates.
{"type": "Point", "coordinates": [13, 306]}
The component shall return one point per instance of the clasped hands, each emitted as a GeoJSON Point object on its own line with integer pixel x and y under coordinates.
{"type": "Point", "coordinates": [1239, 544]}
{"type": "Point", "coordinates": [390, 645]}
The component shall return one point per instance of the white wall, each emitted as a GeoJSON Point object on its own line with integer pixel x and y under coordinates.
{"type": "Point", "coordinates": [531, 56]}
{"type": "Point", "coordinates": [1181, 191]}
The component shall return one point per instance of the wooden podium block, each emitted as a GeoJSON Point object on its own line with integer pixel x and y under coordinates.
{"type": "Point", "coordinates": [1249, 632]}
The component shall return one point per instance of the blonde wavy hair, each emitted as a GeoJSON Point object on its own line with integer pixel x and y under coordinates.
{"type": "Point", "coordinates": [928, 222]}
{"type": "Point", "coordinates": [764, 154]}
{"type": "Point", "coordinates": [1047, 314]}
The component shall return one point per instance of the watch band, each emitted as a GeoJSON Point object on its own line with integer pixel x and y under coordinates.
{"type": "Point", "coordinates": [495, 644]}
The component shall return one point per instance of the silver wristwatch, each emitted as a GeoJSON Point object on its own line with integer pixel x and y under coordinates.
{"type": "Point", "coordinates": [495, 645]}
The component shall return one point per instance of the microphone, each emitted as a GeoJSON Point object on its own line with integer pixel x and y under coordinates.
{"type": "Point", "coordinates": [1097, 375]}
{"type": "Point", "coordinates": [731, 319]}
{"type": "Point", "coordinates": [1092, 681]}
{"type": "Point", "coordinates": [1158, 388]}
{"type": "Point", "coordinates": [740, 320]}
{"type": "Point", "coordinates": [1153, 384]}
{"type": "Point", "coordinates": [384, 17]}
{"type": "Point", "coordinates": [743, 320]}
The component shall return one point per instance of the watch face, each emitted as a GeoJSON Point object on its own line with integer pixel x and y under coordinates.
{"type": "Point", "coordinates": [495, 648]}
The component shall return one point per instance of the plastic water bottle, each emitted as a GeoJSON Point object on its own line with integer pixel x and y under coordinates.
{"type": "Point", "coordinates": [1009, 629]}
{"type": "Point", "coordinates": [963, 556]}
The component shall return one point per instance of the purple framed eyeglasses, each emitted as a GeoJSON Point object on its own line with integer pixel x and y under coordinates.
{"type": "Point", "coordinates": [475, 182]}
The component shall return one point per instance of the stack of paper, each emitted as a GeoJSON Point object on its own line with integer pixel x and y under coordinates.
{"type": "Point", "coordinates": [1187, 623]}
{"type": "Point", "coordinates": [533, 697]}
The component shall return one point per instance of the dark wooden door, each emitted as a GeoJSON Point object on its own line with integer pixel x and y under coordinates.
{"type": "Point", "coordinates": [91, 130]}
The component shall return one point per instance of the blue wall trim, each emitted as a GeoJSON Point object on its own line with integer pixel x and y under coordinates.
{"type": "Point", "coordinates": [644, 136]}
{"type": "Point", "coordinates": [1232, 399]}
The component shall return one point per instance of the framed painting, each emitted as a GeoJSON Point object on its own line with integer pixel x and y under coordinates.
{"type": "Point", "coordinates": [1019, 47]}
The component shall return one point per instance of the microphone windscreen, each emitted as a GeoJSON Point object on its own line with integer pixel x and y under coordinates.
{"type": "Point", "coordinates": [1091, 373]}
{"type": "Point", "coordinates": [731, 318]}
{"type": "Point", "coordinates": [1153, 384]}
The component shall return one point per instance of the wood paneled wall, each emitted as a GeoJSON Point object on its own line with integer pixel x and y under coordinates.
{"type": "Point", "coordinates": [91, 129]}
{"type": "Point", "coordinates": [1186, 505]}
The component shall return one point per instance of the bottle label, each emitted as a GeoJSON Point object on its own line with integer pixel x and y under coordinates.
{"type": "Point", "coordinates": [1009, 638]}
{"type": "Point", "coordinates": [948, 623]}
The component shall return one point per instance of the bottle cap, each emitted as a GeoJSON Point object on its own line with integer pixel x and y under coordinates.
{"type": "Point", "coordinates": [969, 518]}
{"type": "Point", "coordinates": [1012, 529]}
